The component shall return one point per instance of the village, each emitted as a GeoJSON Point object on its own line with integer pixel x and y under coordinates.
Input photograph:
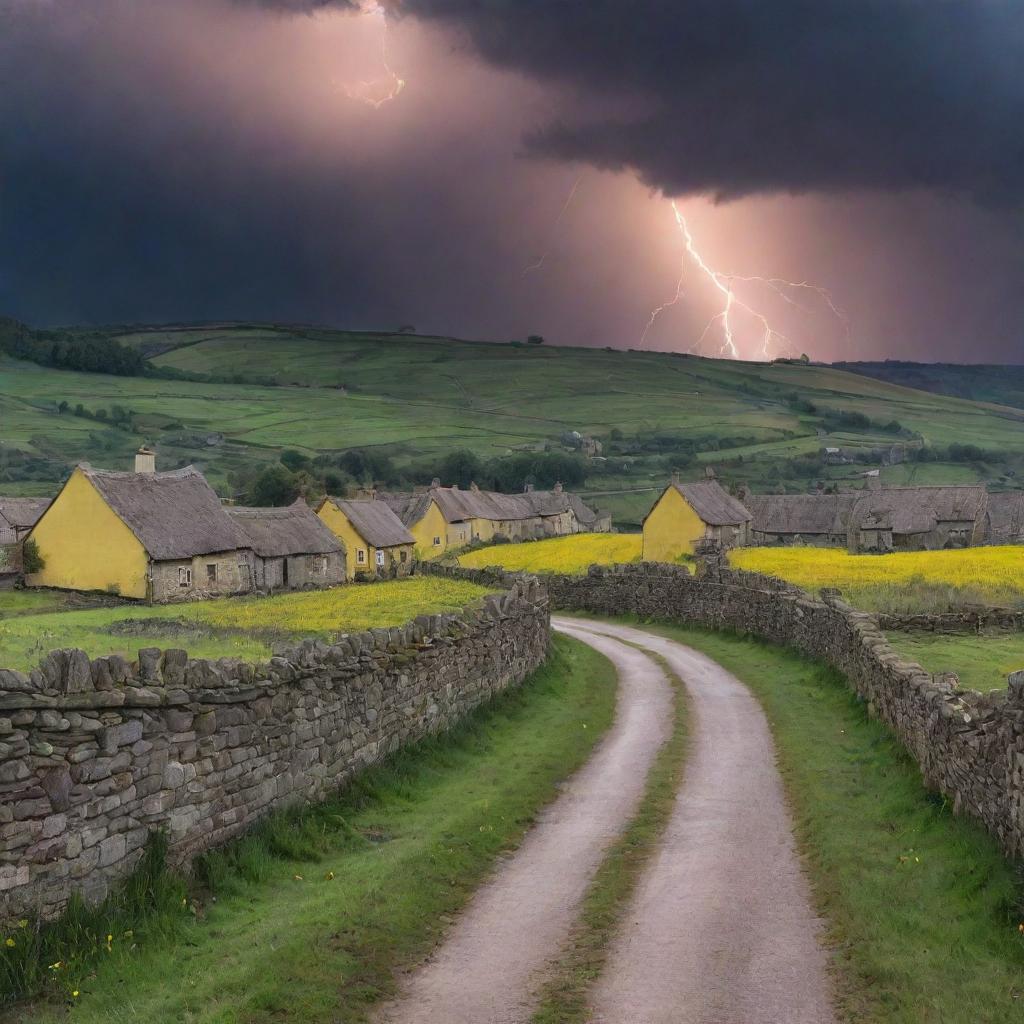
{"type": "Point", "coordinates": [166, 536]}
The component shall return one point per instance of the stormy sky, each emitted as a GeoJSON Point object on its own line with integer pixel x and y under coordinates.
{"type": "Point", "coordinates": [302, 160]}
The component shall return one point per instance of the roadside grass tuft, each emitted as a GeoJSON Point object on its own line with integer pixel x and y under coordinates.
{"type": "Point", "coordinates": [563, 998]}
{"type": "Point", "coordinates": [308, 916]}
{"type": "Point", "coordinates": [923, 909]}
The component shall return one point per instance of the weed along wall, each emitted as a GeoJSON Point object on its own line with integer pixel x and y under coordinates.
{"type": "Point", "coordinates": [94, 755]}
{"type": "Point", "coordinates": [969, 746]}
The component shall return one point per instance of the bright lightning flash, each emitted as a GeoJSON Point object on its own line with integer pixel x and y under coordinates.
{"type": "Point", "coordinates": [723, 283]}
{"type": "Point", "coordinates": [377, 91]}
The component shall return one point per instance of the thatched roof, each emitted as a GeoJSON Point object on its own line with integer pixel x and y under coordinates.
{"type": "Point", "coordinates": [810, 514]}
{"type": "Point", "coordinates": [22, 513]}
{"type": "Point", "coordinates": [375, 521]}
{"type": "Point", "coordinates": [1006, 517]}
{"type": "Point", "coordinates": [715, 505]}
{"type": "Point", "coordinates": [173, 515]}
{"type": "Point", "coordinates": [280, 532]}
{"type": "Point", "coordinates": [457, 505]}
{"type": "Point", "coordinates": [910, 510]}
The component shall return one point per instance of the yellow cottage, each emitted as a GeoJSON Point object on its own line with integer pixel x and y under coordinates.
{"type": "Point", "coordinates": [148, 535]}
{"type": "Point", "coordinates": [375, 539]}
{"type": "Point", "coordinates": [690, 512]}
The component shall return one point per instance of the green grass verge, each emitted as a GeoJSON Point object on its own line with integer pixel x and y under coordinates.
{"type": "Point", "coordinates": [981, 660]}
{"type": "Point", "coordinates": [923, 909]}
{"type": "Point", "coordinates": [563, 999]}
{"type": "Point", "coordinates": [307, 918]}
{"type": "Point", "coordinates": [234, 627]}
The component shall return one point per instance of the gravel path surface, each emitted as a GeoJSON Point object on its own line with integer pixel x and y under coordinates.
{"type": "Point", "coordinates": [721, 930]}
{"type": "Point", "coordinates": [489, 966]}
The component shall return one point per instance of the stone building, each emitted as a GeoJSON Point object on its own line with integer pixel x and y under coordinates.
{"type": "Point", "coordinates": [445, 518]}
{"type": "Point", "coordinates": [687, 513]}
{"type": "Point", "coordinates": [148, 535]}
{"type": "Point", "coordinates": [817, 520]}
{"type": "Point", "coordinates": [376, 541]}
{"type": "Point", "coordinates": [292, 547]}
{"type": "Point", "coordinates": [17, 517]}
{"type": "Point", "coordinates": [918, 518]}
{"type": "Point", "coordinates": [1004, 518]}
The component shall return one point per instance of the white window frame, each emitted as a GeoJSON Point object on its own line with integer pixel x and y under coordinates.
{"type": "Point", "coordinates": [380, 558]}
{"type": "Point", "coordinates": [184, 576]}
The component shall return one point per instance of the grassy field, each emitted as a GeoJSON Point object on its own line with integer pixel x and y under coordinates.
{"type": "Point", "coordinates": [920, 581]}
{"type": "Point", "coordinates": [571, 554]}
{"type": "Point", "coordinates": [982, 661]}
{"type": "Point", "coordinates": [308, 918]}
{"type": "Point", "coordinates": [922, 909]}
{"type": "Point", "coordinates": [230, 627]}
{"type": "Point", "coordinates": [417, 397]}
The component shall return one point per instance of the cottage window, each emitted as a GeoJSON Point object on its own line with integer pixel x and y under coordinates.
{"type": "Point", "coordinates": [402, 555]}
{"type": "Point", "coordinates": [437, 542]}
{"type": "Point", "coordinates": [211, 572]}
{"type": "Point", "coordinates": [184, 577]}
{"type": "Point", "coordinates": [319, 565]}
{"type": "Point", "coordinates": [380, 559]}
{"type": "Point", "coordinates": [361, 556]}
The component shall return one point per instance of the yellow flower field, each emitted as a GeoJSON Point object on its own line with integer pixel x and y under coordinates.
{"type": "Point", "coordinates": [911, 581]}
{"type": "Point", "coordinates": [573, 554]}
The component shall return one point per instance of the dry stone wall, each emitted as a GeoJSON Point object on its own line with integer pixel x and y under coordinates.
{"type": "Point", "coordinates": [969, 746]}
{"type": "Point", "coordinates": [96, 754]}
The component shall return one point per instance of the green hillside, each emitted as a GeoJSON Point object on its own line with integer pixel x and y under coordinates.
{"type": "Point", "coordinates": [975, 381]}
{"type": "Point", "coordinates": [257, 389]}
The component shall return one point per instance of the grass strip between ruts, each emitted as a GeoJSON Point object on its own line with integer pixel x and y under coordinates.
{"type": "Point", "coordinates": [564, 995]}
{"type": "Point", "coordinates": [310, 915]}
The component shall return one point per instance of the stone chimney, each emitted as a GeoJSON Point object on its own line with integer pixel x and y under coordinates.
{"type": "Point", "coordinates": [558, 487]}
{"type": "Point", "coordinates": [709, 472]}
{"type": "Point", "coordinates": [527, 488]}
{"type": "Point", "coordinates": [145, 460]}
{"type": "Point", "coordinates": [675, 476]}
{"type": "Point", "coordinates": [473, 487]}
{"type": "Point", "coordinates": [436, 482]}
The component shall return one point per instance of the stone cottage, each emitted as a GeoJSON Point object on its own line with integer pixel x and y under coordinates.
{"type": "Point", "coordinates": [918, 518]}
{"type": "Point", "coordinates": [17, 517]}
{"type": "Point", "coordinates": [376, 541]}
{"type": "Point", "coordinates": [817, 520]}
{"type": "Point", "coordinates": [1004, 519]}
{"type": "Point", "coordinates": [292, 547]}
{"type": "Point", "coordinates": [687, 513]}
{"type": "Point", "coordinates": [148, 535]}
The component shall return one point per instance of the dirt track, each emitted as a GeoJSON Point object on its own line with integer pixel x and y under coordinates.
{"type": "Point", "coordinates": [721, 930]}
{"type": "Point", "coordinates": [487, 969]}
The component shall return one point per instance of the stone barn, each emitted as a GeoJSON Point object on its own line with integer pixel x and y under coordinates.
{"type": "Point", "coordinates": [292, 547]}
{"type": "Point", "coordinates": [816, 520]}
{"type": "Point", "coordinates": [1005, 518]}
{"type": "Point", "coordinates": [918, 518]}
{"type": "Point", "coordinates": [17, 517]}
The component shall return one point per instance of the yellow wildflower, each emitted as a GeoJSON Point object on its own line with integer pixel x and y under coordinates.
{"type": "Point", "coordinates": [10, 943]}
{"type": "Point", "coordinates": [23, 923]}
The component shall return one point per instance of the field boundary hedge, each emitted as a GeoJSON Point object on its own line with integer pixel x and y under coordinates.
{"type": "Point", "coordinates": [969, 745]}
{"type": "Point", "coordinates": [96, 754]}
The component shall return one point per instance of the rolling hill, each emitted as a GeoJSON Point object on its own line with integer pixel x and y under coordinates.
{"type": "Point", "coordinates": [253, 390]}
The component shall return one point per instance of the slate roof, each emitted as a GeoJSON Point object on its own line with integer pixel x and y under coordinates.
{"type": "Point", "coordinates": [22, 513]}
{"type": "Point", "coordinates": [910, 510]}
{"type": "Point", "coordinates": [715, 505]}
{"type": "Point", "coordinates": [801, 513]}
{"type": "Point", "coordinates": [1006, 517]}
{"type": "Point", "coordinates": [281, 532]}
{"type": "Point", "coordinates": [174, 515]}
{"type": "Point", "coordinates": [375, 521]}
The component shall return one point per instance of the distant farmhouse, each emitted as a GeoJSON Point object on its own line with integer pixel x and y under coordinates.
{"type": "Point", "coordinates": [377, 541]}
{"type": "Point", "coordinates": [876, 519]}
{"type": "Point", "coordinates": [445, 518]}
{"type": "Point", "coordinates": [291, 547]}
{"type": "Point", "coordinates": [687, 513]}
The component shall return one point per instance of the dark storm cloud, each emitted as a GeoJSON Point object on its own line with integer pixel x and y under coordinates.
{"type": "Point", "coordinates": [733, 97]}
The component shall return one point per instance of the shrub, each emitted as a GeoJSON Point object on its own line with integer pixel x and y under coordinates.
{"type": "Point", "coordinates": [31, 560]}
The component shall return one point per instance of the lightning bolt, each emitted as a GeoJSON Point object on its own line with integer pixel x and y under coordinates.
{"type": "Point", "coordinates": [554, 228]}
{"type": "Point", "coordinates": [369, 92]}
{"type": "Point", "coordinates": [723, 284]}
